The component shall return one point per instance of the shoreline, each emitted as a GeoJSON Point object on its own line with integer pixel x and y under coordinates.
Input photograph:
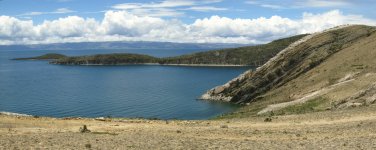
{"type": "Point", "coordinates": [14, 114]}
{"type": "Point", "coordinates": [158, 64]}
{"type": "Point", "coordinates": [101, 118]}
{"type": "Point", "coordinates": [207, 65]}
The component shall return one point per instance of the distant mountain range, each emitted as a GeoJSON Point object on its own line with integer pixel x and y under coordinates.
{"type": "Point", "coordinates": [119, 45]}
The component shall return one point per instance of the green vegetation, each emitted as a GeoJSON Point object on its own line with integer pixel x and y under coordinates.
{"type": "Point", "coordinates": [107, 59]}
{"type": "Point", "coordinates": [317, 104]}
{"type": "Point", "coordinates": [50, 56]}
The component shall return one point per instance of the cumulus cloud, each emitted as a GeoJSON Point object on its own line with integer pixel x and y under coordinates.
{"type": "Point", "coordinates": [126, 26]}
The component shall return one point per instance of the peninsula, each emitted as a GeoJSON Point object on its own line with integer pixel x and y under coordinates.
{"type": "Point", "coordinates": [242, 56]}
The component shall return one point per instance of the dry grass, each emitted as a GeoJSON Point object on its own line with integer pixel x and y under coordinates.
{"type": "Point", "coordinates": [340, 129]}
{"type": "Point", "coordinates": [356, 63]}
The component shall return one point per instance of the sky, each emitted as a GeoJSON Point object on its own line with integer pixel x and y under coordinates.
{"type": "Point", "coordinates": [184, 21]}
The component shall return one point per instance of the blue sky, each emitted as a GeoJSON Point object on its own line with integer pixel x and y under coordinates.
{"type": "Point", "coordinates": [215, 21]}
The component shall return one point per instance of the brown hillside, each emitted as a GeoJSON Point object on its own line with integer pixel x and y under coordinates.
{"type": "Point", "coordinates": [328, 70]}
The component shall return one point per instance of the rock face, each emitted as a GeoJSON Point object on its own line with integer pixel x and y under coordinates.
{"type": "Point", "coordinates": [364, 97]}
{"type": "Point", "coordinates": [290, 63]}
{"type": "Point", "coordinates": [217, 93]}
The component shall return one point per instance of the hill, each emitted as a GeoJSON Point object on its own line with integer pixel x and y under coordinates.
{"type": "Point", "coordinates": [333, 69]}
{"type": "Point", "coordinates": [106, 59]}
{"type": "Point", "coordinates": [249, 55]}
{"type": "Point", "coordinates": [49, 56]}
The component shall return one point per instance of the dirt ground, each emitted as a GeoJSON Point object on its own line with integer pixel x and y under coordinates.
{"type": "Point", "coordinates": [341, 129]}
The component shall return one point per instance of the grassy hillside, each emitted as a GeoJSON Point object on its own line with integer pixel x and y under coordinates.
{"type": "Point", "coordinates": [250, 55]}
{"type": "Point", "coordinates": [328, 71]}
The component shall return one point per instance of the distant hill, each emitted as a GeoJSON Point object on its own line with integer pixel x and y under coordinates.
{"type": "Point", "coordinates": [50, 56]}
{"type": "Point", "coordinates": [106, 59]}
{"type": "Point", "coordinates": [119, 45]}
{"type": "Point", "coordinates": [248, 55]}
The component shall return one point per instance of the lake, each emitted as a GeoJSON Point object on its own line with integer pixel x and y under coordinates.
{"type": "Point", "coordinates": [165, 92]}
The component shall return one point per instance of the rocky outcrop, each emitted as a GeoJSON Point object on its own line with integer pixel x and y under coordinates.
{"type": "Point", "coordinates": [216, 93]}
{"type": "Point", "coordinates": [290, 63]}
{"type": "Point", "coordinates": [364, 97]}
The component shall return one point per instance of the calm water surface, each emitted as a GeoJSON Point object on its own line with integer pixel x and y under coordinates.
{"type": "Point", "coordinates": [166, 92]}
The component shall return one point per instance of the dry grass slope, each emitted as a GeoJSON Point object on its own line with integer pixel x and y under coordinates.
{"type": "Point", "coordinates": [340, 129]}
{"type": "Point", "coordinates": [344, 79]}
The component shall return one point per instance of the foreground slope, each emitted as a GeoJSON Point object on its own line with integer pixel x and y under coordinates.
{"type": "Point", "coordinates": [334, 69]}
{"type": "Point", "coordinates": [350, 129]}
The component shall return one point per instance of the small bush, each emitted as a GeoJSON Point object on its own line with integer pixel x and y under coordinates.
{"type": "Point", "coordinates": [269, 119]}
{"type": "Point", "coordinates": [88, 146]}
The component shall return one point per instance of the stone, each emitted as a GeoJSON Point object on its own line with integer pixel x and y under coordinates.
{"type": "Point", "coordinates": [84, 129]}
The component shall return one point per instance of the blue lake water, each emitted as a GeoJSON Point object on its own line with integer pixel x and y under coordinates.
{"type": "Point", "coordinates": [165, 92]}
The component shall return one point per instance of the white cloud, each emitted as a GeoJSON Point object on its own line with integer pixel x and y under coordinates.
{"type": "Point", "coordinates": [72, 26]}
{"type": "Point", "coordinates": [163, 4]}
{"type": "Point", "coordinates": [126, 26]}
{"type": "Point", "coordinates": [206, 8]}
{"type": "Point", "coordinates": [301, 4]}
{"type": "Point", "coordinates": [316, 22]}
{"type": "Point", "coordinates": [156, 12]}
{"type": "Point", "coordinates": [57, 11]}
{"type": "Point", "coordinates": [167, 8]}
{"type": "Point", "coordinates": [272, 6]}
{"type": "Point", "coordinates": [322, 3]}
{"type": "Point", "coordinates": [13, 29]}
{"type": "Point", "coordinates": [265, 5]}
{"type": "Point", "coordinates": [124, 23]}
{"type": "Point", "coordinates": [63, 11]}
